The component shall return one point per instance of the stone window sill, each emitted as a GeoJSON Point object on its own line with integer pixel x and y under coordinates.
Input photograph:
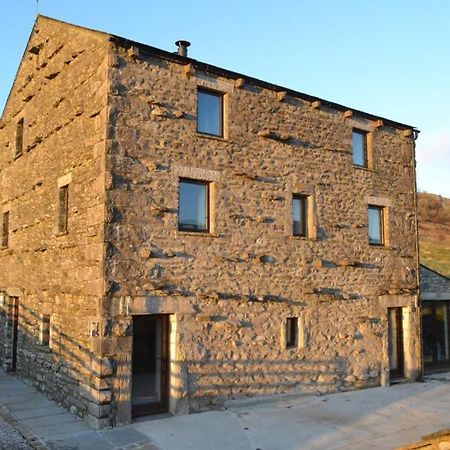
{"type": "Point", "coordinates": [302, 238]}
{"type": "Point", "coordinates": [45, 348]}
{"type": "Point", "coordinates": [366, 169]}
{"type": "Point", "coordinates": [197, 233]}
{"type": "Point", "coordinates": [380, 247]}
{"type": "Point", "coordinates": [211, 136]}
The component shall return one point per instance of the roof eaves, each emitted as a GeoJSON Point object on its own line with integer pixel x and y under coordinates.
{"type": "Point", "coordinates": [208, 68]}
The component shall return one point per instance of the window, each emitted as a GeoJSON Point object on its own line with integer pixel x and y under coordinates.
{"type": "Point", "coordinates": [376, 225]}
{"type": "Point", "coordinates": [5, 229]}
{"type": "Point", "coordinates": [63, 209]}
{"type": "Point", "coordinates": [193, 206]}
{"type": "Point", "coordinates": [299, 215]}
{"type": "Point", "coordinates": [209, 112]}
{"type": "Point", "coordinates": [359, 139]}
{"type": "Point", "coordinates": [291, 332]}
{"type": "Point", "coordinates": [44, 330]}
{"type": "Point", "coordinates": [19, 138]}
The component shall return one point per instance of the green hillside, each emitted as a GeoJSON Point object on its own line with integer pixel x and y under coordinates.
{"type": "Point", "coordinates": [434, 232]}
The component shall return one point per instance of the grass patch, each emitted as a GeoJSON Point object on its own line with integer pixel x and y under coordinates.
{"type": "Point", "coordinates": [436, 256]}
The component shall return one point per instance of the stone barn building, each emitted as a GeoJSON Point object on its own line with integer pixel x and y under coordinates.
{"type": "Point", "coordinates": [435, 307]}
{"type": "Point", "coordinates": [175, 234]}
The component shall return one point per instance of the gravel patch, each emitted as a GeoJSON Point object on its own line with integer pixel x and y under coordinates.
{"type": "Point", "coordinates": [10, 439]}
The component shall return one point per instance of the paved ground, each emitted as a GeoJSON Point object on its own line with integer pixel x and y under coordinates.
{"type": "Point", "coordinates": [11, 439]}
{"type": "Point", "coordinates": [378, 418]}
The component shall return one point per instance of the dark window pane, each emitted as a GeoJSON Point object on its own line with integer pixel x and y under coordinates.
{"type": "Point", "coordinates": [299, 220]}
{"type": "Point", "coordinates": [375, 216]}
{"type": "Point", "coordinates": [5, 229]}
{"type": "Point", "coordinates": [359, 148]}
{"type": "Point", "coordinates": [193, 206]}
{"type": "Point", "coordinates": [442, 341]}
{"type": "Point", "coordinates": [209, 113]}
{"type": "Point", "coordinates": [427, 333]}
{"type": "Point", "coordinates": [291, 331]}
{"type": "Point", "coordinates": [19, 137]}
{"type": "Point", "coordinates": [63, 208]}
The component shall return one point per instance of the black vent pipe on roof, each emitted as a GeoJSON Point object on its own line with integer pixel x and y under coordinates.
{"type": "Point", "coordinates": [182, 47]}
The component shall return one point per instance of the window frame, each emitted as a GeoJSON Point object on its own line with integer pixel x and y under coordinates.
{"type": "Point", "coordinates": [5, 229]}
{"type": "Point", "coordinates": [20, 131]}
{"type": "Point", "coordinates": [207, 185]}
{"type": "Point", "coordinates": [365, 149]}
{"type": "Point", "coordinates": [381, 210]}
{"type": "Point", "coordinates": [63, 209]}
{"type": "Point", "coordinates": [220, 96]}
{"type": "Point", "coordinates": [291, 332]}
{"type": "Point", "coordinates": [304, 232]}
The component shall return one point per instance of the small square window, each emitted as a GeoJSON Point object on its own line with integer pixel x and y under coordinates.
{"type": "Point", "coordinates": [359, 139]}
{"type": "Point", "coordinates": [376, 225]}
{"type": "Point", "coordinates": [19, 138]}
{"type": "Point", "coordinates": [210, 112]}
{"type": "Point", "coordinates": [299, 215]}
{"type": "Point", "coordinates": [5, 229]}
{"type": "Point", "coordinates": [63, 212]}
{"type": "Point", "coordinates": [291, 332]}
{"type": "Point", "coordinates": [193, 206]}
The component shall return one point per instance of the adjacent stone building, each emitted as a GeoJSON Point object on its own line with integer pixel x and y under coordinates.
{"type": "Point", "coordinates": [435, 307]}
{"type": "Point", "coordinates": [175, 234]}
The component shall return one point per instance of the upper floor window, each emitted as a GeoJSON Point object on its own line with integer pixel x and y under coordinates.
{"type": "Point", "coordinates": [299, 215]}
{"type": "Point", "coordinates": [19, 138]}
{"type": "Point", "coordinates": [360, 148]}
{"type": "Point", "coordinates": [193, 206]}
{"type": "Point", "coordinates": [5, 229]}
{"type": "Point", "coordinates": [210, 112]}
{"type": "Point", "coordinates": [63, 209]}
{"type": "Point", "coordinates": [376, 225]}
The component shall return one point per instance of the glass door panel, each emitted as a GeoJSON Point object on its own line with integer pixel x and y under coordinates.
{"type": "Point", "coordinates": [442, 341]}
{"type": "Point", "coordinates": [428, 334]}
{"type": "Point", "coordinates": [435, 332]}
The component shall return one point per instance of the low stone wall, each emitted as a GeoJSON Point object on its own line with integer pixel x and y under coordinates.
{"type": "Point", "coordinates": [435, 441]}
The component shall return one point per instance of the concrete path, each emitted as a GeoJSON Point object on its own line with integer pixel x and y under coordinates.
{"type": "Point", "coordinates": [46, 425]}
{"type": "Point", "coordinates": [378, 418]}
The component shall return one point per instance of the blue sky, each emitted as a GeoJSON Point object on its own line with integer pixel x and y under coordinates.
{"type": "Point", "coordinates": [387, 57]}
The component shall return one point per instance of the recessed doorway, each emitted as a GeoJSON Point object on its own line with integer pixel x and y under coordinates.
{"type": "Point", "coordinates": [150, 364]}
{"type": "Point", "coordinates": [395, 343]}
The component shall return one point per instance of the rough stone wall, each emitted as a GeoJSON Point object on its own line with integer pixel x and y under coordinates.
{"type": "Point", "coordinates": [60, 92]}
{"type": "Point", "coordinates": [433, 286]}
{"type": "Point", "coordinates": [231, 291]}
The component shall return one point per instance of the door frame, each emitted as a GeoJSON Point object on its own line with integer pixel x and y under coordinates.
{"type": "Point", "coordinates": [14, 332]}
{"type": "Point", "coordinates": [163, 405]}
